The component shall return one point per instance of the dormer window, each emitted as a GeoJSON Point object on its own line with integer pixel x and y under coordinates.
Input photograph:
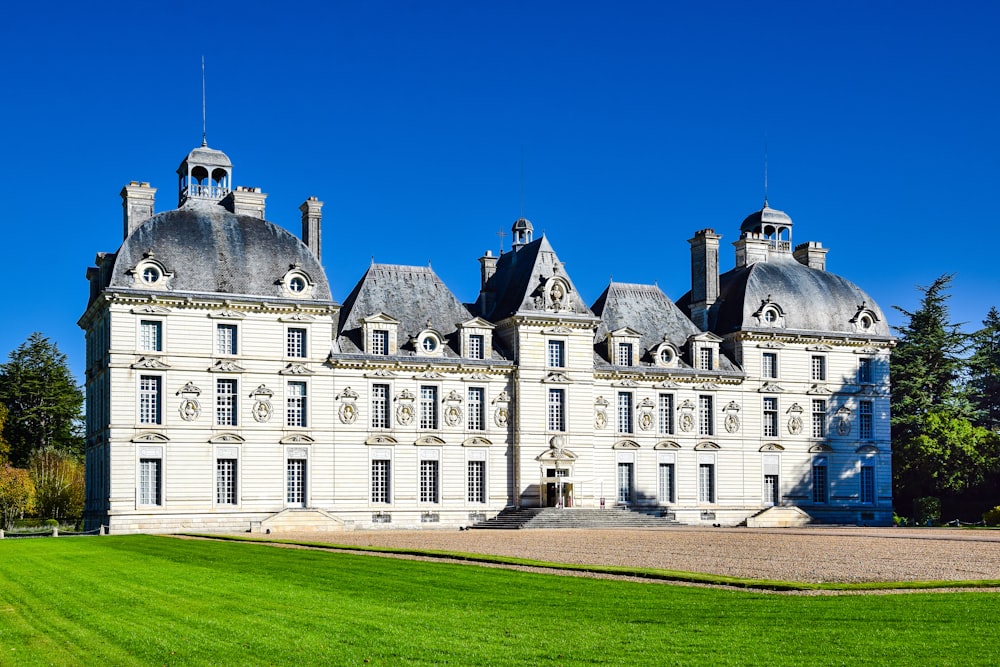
{"type": "Point", "coordinates": [622, 344]}
{"type": "Point", "coordinates": [475, 347]}
{"type": "Point", "coordinates": [150, 274]}
{"type": "Point", "coordinates": [664, 355]}
{"type": "Point", "coordinates": [297, 284]}
{"type": "Point", "coordinates": [770, 314]}
{"type": "Point", "coordinates": [706, 360]}
{"type": "Point", "coordinates": [429, 343]}
{"type": "Point", "coordinates": [379, 334]}
{"type": "Point", "coordinates": [704, 351]}
{"type": "Point", "coordinates": [476, 338]}
{"type": "Point", "coordinates": [624, 354]}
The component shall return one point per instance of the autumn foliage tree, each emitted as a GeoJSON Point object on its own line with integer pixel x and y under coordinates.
{"type": "Point", "coordinates": [17, 495]}
{"type": "Point", "coordinates": [59, 484]}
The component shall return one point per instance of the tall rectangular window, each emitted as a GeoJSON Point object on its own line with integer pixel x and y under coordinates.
{"type": "Point", "coordinates": [819, 367]}
{"type": "Point", "coordinates": [475, 409]}
{"type": "Point", "coordinates": [380, 342]}
{"type": "Point", "coordinates": [706, 362]}
{"type": "Point", "coordinates": [380, 406]}
{"type": "Point", "coordinates": [706, 482]}
{"type": "Point", "coordinates": [150, 400]}
{"type": "Point", "coordinates": [557, 410]}
{"type": "Point", "coordinates": [667, 483]}
{"type": "Point", "coordinates": [296, 342]}
{"type": "Point", "coordinates": [769, 365]}
{"type": "Point", "coordinates": [818, 418]}
{"type": "Point", "coordinates": [864, 370]}
{"type": "Point", "coordinates": [225, 481]}
{"type": "Point", "coordinates": [557, 354]}
{"type": "Point", "coordinates": [625, 482]}
{"type": "Point", "coordinates": [151, 336]}
{"type": "Point", "coordinates": [706, 420]}
{"type": "Point", "coordinates": [865, 426]}
{"type": "Point", "coordinates": [296, 403]}
{"type": "Point", "coordinates": [819, 487]}
{"type": "Point", "coordinates": [770, 417]}
{"type": "Point", "coordinates": [624, 412]}
{"type": "Point", "coordinates": [381, 469]}
{"type": "Point", "coordinates": [428, 407]}
{"type": "Point", "coordinates": [295, 482]}
{"type": "Point", "coordinates": [476, 346]}
{"type": "Point", "coordinates": [477, 481]}
{"type": "Point", "coordinates": [225, 339]}
{"type": "Point", "coordinates": [867, 491]}
{"type": "Point", "coordinates": [665, 414]}
{"type": "Point", "coordinates": [624, 354]}
{"type": "Point", "coordinates": [225, 402]}
{"type": "Point", "coordinates": [428, 481]}
{"type": "Point", "coordinates": [150, 482]}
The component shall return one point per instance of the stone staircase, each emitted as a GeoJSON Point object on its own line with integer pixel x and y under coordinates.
{"type": "Point", "coordinates": [779, 517]}
{"type": "Point", "coordinates": [551, 517]}
{"type": "Point", "coordinates": [298, 521]}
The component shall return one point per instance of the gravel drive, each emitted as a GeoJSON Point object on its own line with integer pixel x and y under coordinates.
{"type": "Point", "coordinates": [790, 554]}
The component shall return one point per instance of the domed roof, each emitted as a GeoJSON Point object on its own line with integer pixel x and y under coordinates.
{"type": "Point", "coordinates": [522, 224]}
{"type": "Point", "coordinates": [203, 248]}
{"type": "Point", "coordinates": [765, 216]}
{"type": "Point", "coordinates": [208, 157]}
{"type": "Point", "coordinates": [794, 297]}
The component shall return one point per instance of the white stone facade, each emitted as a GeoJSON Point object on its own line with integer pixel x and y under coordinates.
{"type": "Point", "coordinates": [218, 403]}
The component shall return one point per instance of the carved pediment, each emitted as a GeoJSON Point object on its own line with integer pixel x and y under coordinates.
{"type": "Point", "coordinates": [295, 369]}
{"type": "Point", "coordinates": [478, 377]}
{"type": "Point", "coordinates": [227, 314]}
{"type": "Point", "coordinates": [296, 317]}
{"type": "Point", "coordinates": [557, 330]}
{"type": "Point", "coordinates": [151, 363]}
{"type": "Point", "coordinates": [626, 382]}
{"type": "Point", "coordinates": [866, 449]}
{"type": "Point", "coordinates": [558, 377]}
{"type": "Point", "coordinates": [150, 436]}
{"type": "Point", "coordinates": [226, 366]}
{"type": "Point", "coordinates": [188, 390]}
{"type": "Point", "coordinates": [666, 384]}
{"type": "Point", "coordinates": [819, 390]}
{"type": "Point", "coordinates": [772, 447]}
{"type": "Point", "coordinates": [429, 440]}
{"type": "Point", "coordinates": [150, 309]}
{"type": "Point", "coordinates": [771, 387]}
{"type": "Point", "coordinates": [296, 439]}
{"type": "Point", "coordinates": [771, 344]}
{"type": "Point", "coordinates": [822, 347]}
{"type": "Point", "coordinates": [262, 392]}
{"type": "Point", "coordinates": [706, 446]}
{"type": "Point", "coordinates": [348, 394]}
{"type": "Point", "coordinates": [428, 375]}
{"type": "Point", "coordinates": [625, 444]}
{"type": "Point", "coordinates": [707, 386]}
{"type": "Point", "coordinates": [820, 448]}
{"type": "Point", "coordinates": [666, 444]}
{"type": "Point", "coordinates": [381, 440]}
{"type": "Point", "coordinates": [380, 373]}
{"type": "Point", "coordinates": [796, 409]}
{"type": "Point", "coordinates": [646, 403]}
{"type": "Point", "coordinates": [477, 441]}
{"type": "Point", "coordinates": [226, 438]}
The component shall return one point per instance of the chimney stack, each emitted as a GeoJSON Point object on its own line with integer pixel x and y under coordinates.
{"type": "Point", "coordinates": [812, 254]}
{"type": "Point", "coordinates": [245, 201]}
{"type": "Point", "coordinates": [704, 275]}
{"type": "Point", "coordinates": [137, 205]}
{"type": "Point", "coordinates": [312, 216]}
{"type": "Point", "coordinates": [752, 248]}
{"type": "Point", "coordinates": [487, 267]}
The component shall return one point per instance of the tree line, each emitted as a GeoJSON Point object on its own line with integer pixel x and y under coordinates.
{"type": "Point", "coordinates": [41, 435]}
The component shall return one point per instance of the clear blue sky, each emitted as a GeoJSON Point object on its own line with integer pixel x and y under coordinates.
{"type": "Point", "coordinates": [640, 122]}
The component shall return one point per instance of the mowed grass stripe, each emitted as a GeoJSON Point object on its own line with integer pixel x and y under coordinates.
{"type": "Point", "coordinates": [158, 600]}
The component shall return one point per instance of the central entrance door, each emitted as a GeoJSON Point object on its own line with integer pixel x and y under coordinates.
{"type": "Point", "coordinates": [558, 492]}
{"type": "Point", "coordinates": [770, 490]}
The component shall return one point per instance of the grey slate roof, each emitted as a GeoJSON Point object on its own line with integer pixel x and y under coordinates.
{"type": "Point", "coordinates": [210, 250]}
{"type": "Point", "coordinates": [519, 276]}
{"type": "Point", "coordinates": [413, 295]}
{"type": "Point", "coordinates": [646, 309]}
{"type": "Point", "coordinates": [765, 216]}
{"type": "Point", "coordinates": [812, 301]}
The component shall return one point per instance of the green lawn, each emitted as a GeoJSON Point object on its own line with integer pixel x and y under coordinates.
{"type": "Point", "coordinates": [158, 600]}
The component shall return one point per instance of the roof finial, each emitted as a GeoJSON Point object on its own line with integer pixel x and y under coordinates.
{"type": "Point", "coordinates": [522, 181]}
{"type": "Point", "coordinates": [765, 170]}
{"type": "Point", "coordinates": [204, 123]}
{"type": "Point", "coordinates": [501, 234]}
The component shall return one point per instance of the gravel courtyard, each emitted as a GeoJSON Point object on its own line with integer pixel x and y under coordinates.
{"type": "Point", "coordinates": [804, 554]}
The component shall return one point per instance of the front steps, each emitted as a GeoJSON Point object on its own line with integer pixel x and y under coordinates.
{"type": "Point", "coordinates": [779, 517]}
{"type": "Point", "coordinates": [298, 521]}
{"type": "Point", "coordinates": [551, 517]}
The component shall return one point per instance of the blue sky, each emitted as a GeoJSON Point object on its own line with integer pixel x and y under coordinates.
{"type": "Point", "coordinates": [639, 123]}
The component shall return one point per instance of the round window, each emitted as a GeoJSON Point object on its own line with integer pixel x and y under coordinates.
{"type": "Point", "coordinates": [150, 274]}
{"type": "Point", "coordinates": [770, 316]}
{"type": "Point", "coordinates": [866, 322]}
{"type": "Point", "coordinates": [429, 344]}
{"type": "Point", "coordinates": [297, 285]}
{"type": "Point", "coordinates": [666, 356]}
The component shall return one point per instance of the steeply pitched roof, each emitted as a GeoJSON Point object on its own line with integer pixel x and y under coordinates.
{"type": "Point", "coordinates": [519, 278]}
{"type": "Point", "coordinates": [413, 295]}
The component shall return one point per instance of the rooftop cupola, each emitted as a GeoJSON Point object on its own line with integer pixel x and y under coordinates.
{"type": "Point", "coordinates": [205, 175]}
{"type": "Point", "coordinates": [772, 225]}
{"type": "Point", "coordinates": [522, 231]}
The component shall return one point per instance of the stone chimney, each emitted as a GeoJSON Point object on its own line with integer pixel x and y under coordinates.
{"type": "Point", "coordinates": [812, 254]}
{"type": "Point", "coordinates": [137, 205]}
{"type": "Point", "coordinates": [704, 275]}
{"type": "Point", "coordinates": [487, 267]}
{"type": "Point", "coordinates": [312, 216]}
{"type": "Point", "coordinates": [246, 201]}
{"type": "Point", "coordinates": [751, 248]}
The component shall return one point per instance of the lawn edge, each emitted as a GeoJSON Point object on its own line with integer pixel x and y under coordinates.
{"type": "Point", "coordinates": [618, 570]}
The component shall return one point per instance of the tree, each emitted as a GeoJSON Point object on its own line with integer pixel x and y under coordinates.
{"type": "Point", "coordinates": [926, 399]}
{"type": "Point", "coordinates": [4, 447]}
{"type": "Point", "coordinates": [59, 484]}
{"type": "Point", "coordinates": [984, 373]}
{"type": "Point", "coordinates": [43, 400]}
{"type": "Point", "coordinates": [17, 495]}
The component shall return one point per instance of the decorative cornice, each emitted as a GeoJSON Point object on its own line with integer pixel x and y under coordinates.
{"type": "Point", "coordinates": [150, 363]}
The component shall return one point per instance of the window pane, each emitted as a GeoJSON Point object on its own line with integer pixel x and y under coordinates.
{"type": "Point", "coordinates": [666, 482]}
{"type": "Point", "coordinates": [150, 336]}
{"type": "Point", "coordinates": [149, 399]}
{"type": "Point", "coordinates": [296, 343]}
{"type": "Point", "coordinates": [475, 347]}
{"type": "Point", "coordinates": [705, 418]}
{"type": "Point", "coordinates": [475, 407]}
{"type": "Point", "coordinates": [225, 402]}
{"type": "Point", "coordinates": [477, 481]}
{"type": "Point", "coordinates": [380, 480]}
{"type": "Point", "coordinates": [225, 339]}
{"type": "Point", "coordinates": [225, 481]}
{"type": "Point", "coordinates": [556, 410]}
{"type": "Point", "coordinates": [150, 482]}
{"type": "Point", "coordinates": [428, 407]}
{"type": "Point", "coordinates": [428, 481]}
{"type": "Point", "coordinates": [557, 352]}
{"type": "Point", "coordinates": [624, 412]}
{"type": "Point", "coordinates": [666, 414]}
{"type": "Point", "coordinates": [380, 406]}
{"type": "Point", "coordinates": [296, 403]}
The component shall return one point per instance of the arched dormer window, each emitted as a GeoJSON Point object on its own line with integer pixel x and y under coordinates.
{"type": "Point", "coordinates": [296, 283]}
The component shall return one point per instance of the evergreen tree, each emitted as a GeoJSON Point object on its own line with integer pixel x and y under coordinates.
{"type": "Point", "coordinates": [984, 373]}
{"type": "Point", "coordinates": [43, 401]}
{"type": "Point", "coordinates": [926, 399]}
